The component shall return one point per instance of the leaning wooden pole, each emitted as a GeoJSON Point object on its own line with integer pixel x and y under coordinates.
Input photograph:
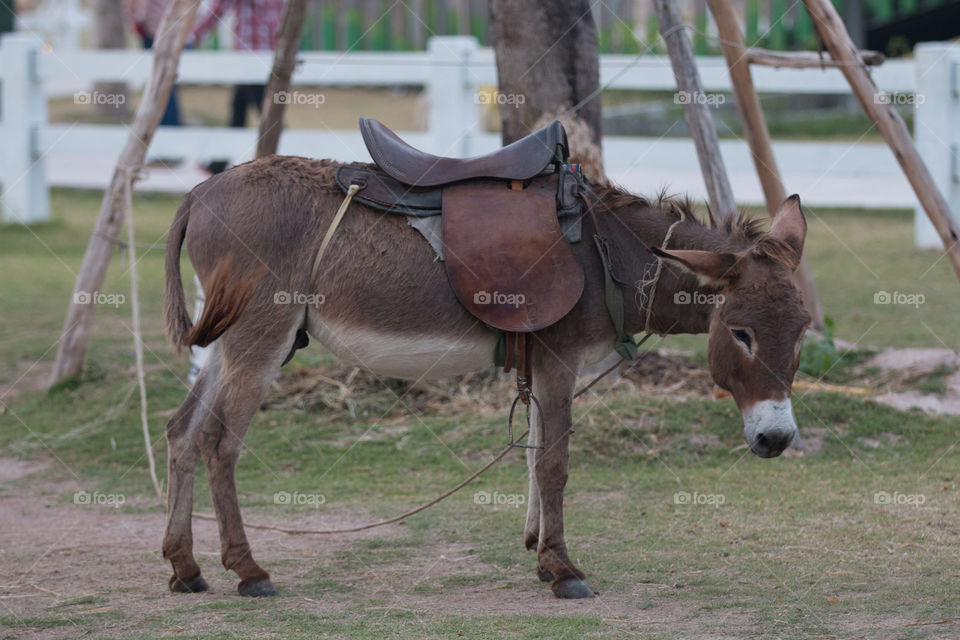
{"type": "Point", "coordinates": [834, 35]}
{"type": "Point", "coordinates": [277, 95]}
{"type": "Point", "coordinates": [757, 134]}
{"type": "Point", "coordinates": [696, 111]}
{"type": "Point", "coordinates": [174, 29]}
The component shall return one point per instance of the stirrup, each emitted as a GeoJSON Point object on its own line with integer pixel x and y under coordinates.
{"type": "Point", "coordinates": [513, 407]}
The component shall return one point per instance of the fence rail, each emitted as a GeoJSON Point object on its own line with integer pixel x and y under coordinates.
{"type": "Point", "coordinates": [451, 71]}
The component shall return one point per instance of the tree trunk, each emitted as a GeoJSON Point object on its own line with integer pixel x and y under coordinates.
{"type": "Point", "coordinates": [109, 99]}
{"type": "Point", "coordinates": [548, 64]}
{"type": "Point", "coordinates": [277, 95]}
{"type": "Point", "coordinates": [174, 29]}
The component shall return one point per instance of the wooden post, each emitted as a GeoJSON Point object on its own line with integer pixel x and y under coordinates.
{"type": "Point", "coordinates": [695, 109]}
{"type": "Point", "coordinates": [277, 95]}
{"type": "Point", "coordinates": [758, 137]}
{"type": "Point", "coordinates": [174, 29]}
{"type": "Point", "coordinates": [884, 115]}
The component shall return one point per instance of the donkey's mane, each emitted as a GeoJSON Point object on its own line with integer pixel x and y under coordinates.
{"type": "Point", "coordinates": [739, 228]}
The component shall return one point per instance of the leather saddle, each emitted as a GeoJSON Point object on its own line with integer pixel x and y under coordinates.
{"type": "Point", "coordinates": [505, 252]}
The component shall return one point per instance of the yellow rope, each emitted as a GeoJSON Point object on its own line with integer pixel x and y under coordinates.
{"type": "Point", "coordinates": [333, 227]}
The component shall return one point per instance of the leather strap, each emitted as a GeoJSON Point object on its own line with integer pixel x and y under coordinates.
{"type": "Point", "coordinates": [624, 345]}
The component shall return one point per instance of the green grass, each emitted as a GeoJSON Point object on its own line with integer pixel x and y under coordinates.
{"type": "Point", "coordinates": [799, 547]}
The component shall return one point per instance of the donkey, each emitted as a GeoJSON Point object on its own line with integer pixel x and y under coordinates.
{"type": "Point", "coordinates": [381, 301]}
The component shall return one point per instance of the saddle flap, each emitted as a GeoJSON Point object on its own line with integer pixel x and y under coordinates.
{"type": "Point", "coordinates": [505, 254]}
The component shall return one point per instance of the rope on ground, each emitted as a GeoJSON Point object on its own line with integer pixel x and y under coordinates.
{"type": "Point", "coordinates": [402, 516]}
{"type": "Point", "coordinates": [128, 179]}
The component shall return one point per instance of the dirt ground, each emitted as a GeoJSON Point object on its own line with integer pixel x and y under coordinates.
{"type": "Point", "coordinates": [61, 559]}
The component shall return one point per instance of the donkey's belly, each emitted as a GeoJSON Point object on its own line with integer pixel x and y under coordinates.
{"type": "Point", "coordinates": [414, 356]}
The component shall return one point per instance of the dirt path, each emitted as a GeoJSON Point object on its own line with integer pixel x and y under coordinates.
{"type": "Point", "coordinates": [70, 562]}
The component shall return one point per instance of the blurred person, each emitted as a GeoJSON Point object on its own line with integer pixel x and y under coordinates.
{"type": "Point", "coordinates": [255, 27]}
{"type": "Point", "coordinates": [145, 15]}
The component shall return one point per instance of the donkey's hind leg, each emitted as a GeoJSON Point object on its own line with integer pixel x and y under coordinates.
{"type": "Point", "coordinates": [183, 456]}
{"type": "Point", "coordinates": [251, 355]}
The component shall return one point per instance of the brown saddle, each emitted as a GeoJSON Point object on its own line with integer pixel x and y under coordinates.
{"type": "Point", "coordinates": [522, 160]}
{"type": "Point", "coordinates": [504, 250]}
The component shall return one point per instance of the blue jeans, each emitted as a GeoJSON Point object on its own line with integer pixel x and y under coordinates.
{"type": "Point", "coordinates": [171, 115]}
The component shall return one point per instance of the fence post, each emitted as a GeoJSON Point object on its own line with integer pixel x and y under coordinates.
{"type": "Point", "coordinates": [25, 196]}
{"type": "Point", "coordinates": [452, 92]}
{"type": "Point", "coordinates": [936, 130]}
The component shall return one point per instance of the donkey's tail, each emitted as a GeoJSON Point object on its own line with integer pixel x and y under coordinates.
{"type": "Point", "coordinates": [175, 313]}
{"type": "Point", "coordinates": [226, 295]}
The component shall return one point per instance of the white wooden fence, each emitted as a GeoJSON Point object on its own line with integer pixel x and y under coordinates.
{"type": "Point", "coordinates": [452, 70]}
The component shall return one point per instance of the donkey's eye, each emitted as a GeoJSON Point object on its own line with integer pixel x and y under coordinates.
{"type": "Point", "coordinates": [743, 338]}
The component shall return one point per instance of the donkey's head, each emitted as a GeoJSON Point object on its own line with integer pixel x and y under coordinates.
{"type": "Point", "coordinates": [757, 326]}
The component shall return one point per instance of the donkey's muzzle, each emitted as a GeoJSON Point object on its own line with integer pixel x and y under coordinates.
{"type": "Point", "coordinates": [769, 427]}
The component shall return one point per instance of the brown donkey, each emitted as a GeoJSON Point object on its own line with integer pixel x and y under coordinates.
{"type": "Point", "coordinates": [381, 301]}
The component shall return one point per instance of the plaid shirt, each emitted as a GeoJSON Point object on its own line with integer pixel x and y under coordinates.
{"type": "Point", "coordinates": [146, 15]}
{"type": "Point", "coordinates": [256, 25]}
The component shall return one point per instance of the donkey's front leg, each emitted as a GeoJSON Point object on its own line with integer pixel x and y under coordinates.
{"type": "Point", "coordinates": [553, 385]}
{"type": "Point", "coordinates": [531, 530]}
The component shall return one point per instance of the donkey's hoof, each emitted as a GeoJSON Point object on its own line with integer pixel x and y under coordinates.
{"type": "Point", "coordinates": [572, 588]}
{"type": "Point", "coordinates": [544, 574]}
{"type": "Point", "coordinates": [196, 584]}
{"type": "Point", "coordinates": [257, 588]}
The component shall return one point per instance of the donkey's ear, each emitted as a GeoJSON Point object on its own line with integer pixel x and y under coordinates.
{"type": "Point", "coordinates": [790, 226]}
{"type": "Point", "coordinates": [709, 266]}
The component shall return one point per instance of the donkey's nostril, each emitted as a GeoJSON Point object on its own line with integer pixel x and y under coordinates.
{"type": "Point", "coordinates": [769, 445]}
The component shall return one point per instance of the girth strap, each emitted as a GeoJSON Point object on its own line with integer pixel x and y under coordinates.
{"type": "Point", "coordinates": [624, 345]}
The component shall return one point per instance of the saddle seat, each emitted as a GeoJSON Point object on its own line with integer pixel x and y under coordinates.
{"type": "Point", "coordinates": [504, 250]}
{"type": "Point", "coordinates": [527, 157]}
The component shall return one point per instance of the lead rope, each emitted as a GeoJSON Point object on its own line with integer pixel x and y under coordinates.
{"type": "Point", "coordinates": [403, 516]}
